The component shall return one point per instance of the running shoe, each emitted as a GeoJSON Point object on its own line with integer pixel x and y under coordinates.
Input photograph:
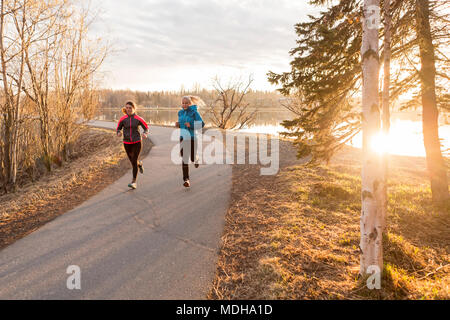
{"type": "Point", "coordinates": [132, 185]}
{"type": "Point", "coordinates": [196, 162]}
{"type": "Point", "coordinates": [187, 184]}
{"type": "Point", "coordinates": [141, 167]}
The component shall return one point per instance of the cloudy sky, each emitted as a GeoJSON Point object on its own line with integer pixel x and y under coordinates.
{"type": "Point", "coordinates": [164, 44]}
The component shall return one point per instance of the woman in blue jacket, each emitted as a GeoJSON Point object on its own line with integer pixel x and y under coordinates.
{"type": "Point", "coordinates": [188, 120]}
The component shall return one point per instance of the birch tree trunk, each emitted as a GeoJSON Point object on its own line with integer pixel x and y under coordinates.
{"type": "Point", "coordinates": [435, 162]}
{"type": "Point", "coordinates": [372, 174]}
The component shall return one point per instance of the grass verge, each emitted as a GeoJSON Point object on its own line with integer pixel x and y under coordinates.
{"type": "Point", "coordinates": [296, 235]}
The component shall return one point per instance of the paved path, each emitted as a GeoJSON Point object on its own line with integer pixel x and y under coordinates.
{"type": "Point", "coordinates": [157, 242]}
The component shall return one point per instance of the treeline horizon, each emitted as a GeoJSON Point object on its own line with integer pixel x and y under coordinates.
{"type": "Point", "coordinates": [113, 98]}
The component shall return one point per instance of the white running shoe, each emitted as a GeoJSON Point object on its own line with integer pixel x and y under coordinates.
{"type": "Point", "coordinates": [132, 185]}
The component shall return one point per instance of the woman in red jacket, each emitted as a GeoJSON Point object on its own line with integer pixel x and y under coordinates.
{"type": "Point", "coordinates": [130, 123]}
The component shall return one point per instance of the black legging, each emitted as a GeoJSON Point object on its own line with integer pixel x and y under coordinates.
{"type": "Point", "coordinates": [133, 151]}
{"type": "Point", "coordinates": [185, 160]}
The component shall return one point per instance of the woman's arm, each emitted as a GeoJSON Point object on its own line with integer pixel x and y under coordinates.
{"type": "Point", "coordinates": [143, 124]}
{"type": "Point", "coordinates": [198, 117]}
{"type": "Point", "coordinates": [119, 127]}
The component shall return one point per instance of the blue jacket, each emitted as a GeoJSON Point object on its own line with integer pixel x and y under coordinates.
{"type": "Point", "coordinates": [189, 115]}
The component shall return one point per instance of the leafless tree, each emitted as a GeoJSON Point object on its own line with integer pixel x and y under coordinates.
{"type": "Point", "coordinates": [75, 97]}
{"type": "Point", "coordinates": [12, 44]}
{"type": "Point", "coordinates": [48, 67]}
{"type": "Point", "coordinates": [229, 109]}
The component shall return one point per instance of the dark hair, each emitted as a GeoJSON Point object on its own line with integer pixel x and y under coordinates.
{"type": "Point", "coordinates": [131, 103]}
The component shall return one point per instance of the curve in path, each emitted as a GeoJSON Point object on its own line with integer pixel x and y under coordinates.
{"type": "Point", "coordinates": [157, 242]}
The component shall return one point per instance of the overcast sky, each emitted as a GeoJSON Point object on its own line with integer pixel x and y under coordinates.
{"type": "Point", "coordinates": [164, 44]}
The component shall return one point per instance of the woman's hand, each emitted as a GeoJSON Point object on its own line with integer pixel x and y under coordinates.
{"type": "Point", "coordinates": [187, 124]}
{"type": "Point", "coordinates": [119, 133]}
{"type": "Point", "coordinates": [145, 135]}
{"type": "Point", "coordinates": [177, 124]}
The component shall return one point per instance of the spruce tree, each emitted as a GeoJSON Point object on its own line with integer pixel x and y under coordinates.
{"type": "Point", "coordinates": [325, 77]}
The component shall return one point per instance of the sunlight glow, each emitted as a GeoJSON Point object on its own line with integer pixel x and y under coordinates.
{"type": "Point", "coordinates": [265, 129]}
{"type": "Point", "coordinates": [405, 138]}
{"type": "Point", "coordinates": [380, 143]}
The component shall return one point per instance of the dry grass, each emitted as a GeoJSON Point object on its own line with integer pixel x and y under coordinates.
{"type": "Point", "coordinates": [99, 160]}
{"type": "Point", "coordinates": [296, 235]}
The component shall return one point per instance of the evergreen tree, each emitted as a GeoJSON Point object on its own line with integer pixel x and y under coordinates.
{"type": "Point", "coordinates": [325, 77]}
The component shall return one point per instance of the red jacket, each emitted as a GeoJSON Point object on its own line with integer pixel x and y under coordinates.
{"type": "Point", "coordinates": [130, 126]}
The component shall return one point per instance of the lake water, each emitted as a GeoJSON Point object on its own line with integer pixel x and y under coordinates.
{"type": "Point", "coordinates": [405, 138]}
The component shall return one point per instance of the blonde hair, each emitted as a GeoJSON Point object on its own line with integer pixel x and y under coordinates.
{"type": "Point", "coordinates": [129, 103]}
{"type": "Point", "coordinates": [195, 100]}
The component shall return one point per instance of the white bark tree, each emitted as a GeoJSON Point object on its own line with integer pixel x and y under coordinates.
{"type": "Point", "coordinates": [373, 185]}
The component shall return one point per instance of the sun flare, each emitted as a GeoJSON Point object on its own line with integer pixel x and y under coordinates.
{"type": "Point", "coordinates": [405, 138]}
{"type": "Point", "coordinates": [380, 143]}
